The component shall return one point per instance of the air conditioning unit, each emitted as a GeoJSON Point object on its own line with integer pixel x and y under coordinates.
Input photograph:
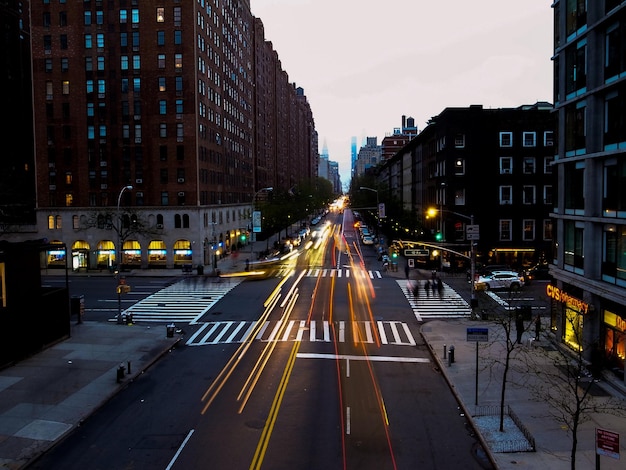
{"type": "Point", "coordinates": [181, 180]}
{"type": "Point", "coordinates": [139, 181]}
{"type": "Point", "coordinates": [181, 193]}
{"type": "Point", "coordinates": [506, 171]}
{"type": "Point", "coordinates": [159, 226]}
{"type": "Point", "coordinates": [549, 143]}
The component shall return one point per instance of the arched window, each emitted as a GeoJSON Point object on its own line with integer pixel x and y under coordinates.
{"type": "Point", "coordinates": [177, 223]}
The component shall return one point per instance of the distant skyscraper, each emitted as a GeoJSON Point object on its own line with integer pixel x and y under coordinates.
{"type": "Point", "coordinates": [353, 154]}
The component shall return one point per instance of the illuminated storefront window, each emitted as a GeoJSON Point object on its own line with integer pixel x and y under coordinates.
{"type": "Point", "coordinates": [131, 253]}
{"type": "Point", "coordinates": [105, 254]}
{"type": "Point", "coordinates": [157, 254]}
{"type": "Point", "coordinates": [80, 255]}
{"type": "Point", "coordinates": [3, 292]}
{"type": "Point", "coordinates": [574, 310]}
{"type": "Point", "coordinates": [615, 340]}
{"type": "Point", "coordinates": [56, 257]}
{"type": "Point", "coordinates": [182, 252]}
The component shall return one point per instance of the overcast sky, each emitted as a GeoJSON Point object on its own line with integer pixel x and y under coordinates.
{"type": "Point", "coordinates": [363, 64]}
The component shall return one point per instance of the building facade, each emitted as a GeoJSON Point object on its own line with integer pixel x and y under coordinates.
{"type": "Point", "coordinates": [155, 126]}
{"type": "Point", "coordinates": [492, 165]}
{"type": "Point", "coordinates": [590, 208]}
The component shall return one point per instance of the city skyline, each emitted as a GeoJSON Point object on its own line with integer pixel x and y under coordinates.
{"type": "Point", "coordinates": [363, 67]}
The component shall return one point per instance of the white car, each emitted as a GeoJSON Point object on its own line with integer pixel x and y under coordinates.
{"type": "Point", "coordinates": [510, 280]}
{"type": "Point", "coordinates": [367, 240]}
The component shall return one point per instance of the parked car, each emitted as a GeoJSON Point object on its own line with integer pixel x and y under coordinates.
{"type": "Point", "coordinates": [368, 240]}
{"type": "Point", "coordinates": [510, 280]}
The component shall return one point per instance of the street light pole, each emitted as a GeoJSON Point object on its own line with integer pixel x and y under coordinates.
{"type": "Point", "coordinates": [269, 188]}
{"type": "Point", "coordinates": [118, 251]}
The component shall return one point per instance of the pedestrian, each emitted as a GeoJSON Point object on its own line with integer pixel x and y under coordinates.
{"type": "Point", "coordinates": [427, 287]}
{"type": "Point", "coordinates": [519, 326]}
{"type": "Point", "coordinates": [406, 270]}
{"type": "Point", "coordinates": [537, 327]}
{"type": "Point", "coordinates": [439, 286]}
{"type": "Point", "coordinates": [416, 289]}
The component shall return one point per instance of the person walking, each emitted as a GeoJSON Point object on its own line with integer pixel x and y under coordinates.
{"type": "Point", "coordinates": [537, 327]}
{"type": "Point", "coordinates": [406, 270]}
{"type": "Point", "coordinates": [519, 327]}
{"type": "Point", "coordinates": [427, 287]}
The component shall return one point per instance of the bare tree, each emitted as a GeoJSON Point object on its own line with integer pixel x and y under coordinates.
{"type": "Point", "coordinates": [565, 380]}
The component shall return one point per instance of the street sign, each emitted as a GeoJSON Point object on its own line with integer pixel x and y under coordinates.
{"type": "Point", "coordinates": [478, 334]}
{"type": "Point", "coordinates": [472, 232]}
{"type": "Point", "coordinates": [256, 221]}
{"type": "Point", "coordinates": [381, 210]}
{"type": "Point", "coordinates": [607, 443]}
{"type": "Point", "coordinates": [408, 252]}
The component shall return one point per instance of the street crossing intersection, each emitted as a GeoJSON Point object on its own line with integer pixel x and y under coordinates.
{"type": "Point", "coordinates": [380, 332]}
{"type": "Point", "coordinates": [429, 304]}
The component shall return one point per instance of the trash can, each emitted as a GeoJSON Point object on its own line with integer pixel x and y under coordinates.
{"type": "Point", "coordinates": [170, 330]}
{"type": "Point", "coordinates": [200, 270]}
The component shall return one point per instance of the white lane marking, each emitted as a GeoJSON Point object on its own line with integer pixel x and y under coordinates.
{"type": "Point", "coordinates": [362, 358]}
{"type": "Point", "coordinates": [180, 449]}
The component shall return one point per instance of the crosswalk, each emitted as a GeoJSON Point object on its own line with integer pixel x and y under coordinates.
{"type": "Point", "coordinates": [434, 304]}
{"type": "Point", "coordinates": [359, 332]}
{"type": "Point", "coordinates": [330, 272]}
{"type": "Point", "coordinates": [180, 302]}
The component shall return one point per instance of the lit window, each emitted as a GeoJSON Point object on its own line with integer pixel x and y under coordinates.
{"type": "Point", "coordinates": [69, 200]}
{"type": "Point", "coordinates": [66, 87]}
{"type": "Point", "coordinates": [178, 61]}
{"type": "Point", "coordinates": [160, 15]}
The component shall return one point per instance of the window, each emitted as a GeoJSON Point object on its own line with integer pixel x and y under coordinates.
{"type": "Point", "coordinates": [178, 61]}
{"type": "Point", "coordinates": [162, 107]}
{"type": "Point", "coordinates": [179, 107]}
{"type": "Point", "coordinates": [123, 16]}
{"type": "Point", "coordinates": [124, 62]}
{"type": "Point", "coordinates": [136, 62]}
{"type": "Point", "coordinates": [576, 69]}
{"type": "Point", "coordinates": [62, 18]}
{"type": "Point", "coordinates": [459, 166]}
{"type": "Point", "coordinates": [160, 38]}
{"type": "Point", "coordinates": [547, 165]}
{"type": "Point", "coordinates": [163, 153]}
{"type": "Point", "coordinates": [88, 41]}
{"type": "Point", "coordinates": [163, 130]}
{"type": "Point", "coordinates": [163, 176]}
{"type": "Point", "coordinates": [160, 14]}
{"type": "Point", "coordinates": [506, 165]}
{"type": "Point", "coordinates": [178, 82]}
{"type": "Point", "coordinates": [178, 37]}
{"type": "Point", "coordinates": [161, 61]}
{"type": "Point", "coordinates": [614, 188]}
{"type": "Point", "coordinates": [575, 128]}
{"type": "Point", "coordinates": [123, 40]}
{"type": "Point", "coordinates": [573, 245]}
{"type": "Point", "coordinates": [529, 165]}
{"type": "Point", "coordinates": [528, 194]}
{"type": "Point", "coordinates": [100, 41]}
{"type": "Point", "coordinates": [134, 14]}
{"type": "Point", "coordinates": [548, 139]}
{"type": "Point", "coordinates": [505, 230]}
{"type": "Point", "coordinates": [165, 200]}
{"type": "Point", "coordinates": [69, 200]}
{"type": "Point", "coordinates": [529, 139]}
{"type": "Point", "coordinates": [614, 60]}
{"type": "Point", "coordinates": [178, 14]}
{"type": "Point", "coordinates": [459, 141]}
{"type": "Point", "coordinates": [614, 118]}
{"type": "Point", "coordinates": [48, 65]}
{"type": "Point", "coordinates": [136, 85]}
{"type": "Point", "coordinates": [65, 87]}
{"type": "Point", "coordinates": [459, 197]}
{"type": "Point", "coordinates": [574, 183]}
{"type": "Point", "coordinates": [547, 229]}
{"type": "Point", "coordinates": [65, 64]}
{"type": "Point", "coordinates": [614, 254]}
{"type": "Point", "coordinates": [547, 194]}
{"type": "Point", "coordinates": [46, 20]}
{"type": "Point", "coordinates": [162, 82]}
{"type": "Point", "coordinates": [63, 41]}
{"type": "Point", "coordinates": [506, 139]}
{"type": "Point", "coordinates": [529, 230]}
{"type": "Point", "coordinates": [137, 133]}
{"type": "Point", "coordinates": [506, 195]}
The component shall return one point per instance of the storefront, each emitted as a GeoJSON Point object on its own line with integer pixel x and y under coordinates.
{"type": "Point", "coordinates": [572, 314]}
{"type": "Point", "coordinates": [105, 254]}
{"type": "Point", "coordinates": [131, 254]}
{"type": "Point", "coordinates": [182, 253]}
{"type": "Point", "coordinates": [80, 255]}
{"type": "Point", "coordinates": [157, 254]}
{"type": "Point", "coordinates": [56, 257]}
{"type": "Point", "coordinates": [614, 322]}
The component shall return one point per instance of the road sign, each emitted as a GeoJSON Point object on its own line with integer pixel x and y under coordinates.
{"type": "Point", "coordinates": [409, 252]}
{"type": "Point", "coordinates": [478, 334]}
{"type": "Point", "coordinates": [256, 222]}
{"type": "Point", "coordinates": [472, 232]}
{"type": "Point", "coordinates": [607, 443]}
{"type": "Point", "coordinates": [381, 210]}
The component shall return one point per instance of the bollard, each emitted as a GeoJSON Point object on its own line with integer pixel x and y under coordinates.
{"type": "Point", "coordinates": [451, 355]}
{"type": "Point", "coordinates": [120, 373]}
{"type": "Point", "coordinates": [444, 351]}
{"type": "Point", "coordinates": [128, 367]}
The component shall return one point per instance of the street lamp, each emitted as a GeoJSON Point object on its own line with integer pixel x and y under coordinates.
{"type": "Point", "coordinates": [269, 188]}
{"type": "Point", "coordinates": [365, 188]}
{"type": "Point", "coordinates": [470, 218]}
{"type": "Point", "coordinates": [118, 252]}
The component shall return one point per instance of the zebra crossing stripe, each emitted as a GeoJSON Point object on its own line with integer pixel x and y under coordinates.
{"type": "Point", "coordinates": [390, 332]}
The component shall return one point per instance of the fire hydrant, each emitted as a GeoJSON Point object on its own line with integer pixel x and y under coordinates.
{"type": "Point", "coordinates": [451, 355]}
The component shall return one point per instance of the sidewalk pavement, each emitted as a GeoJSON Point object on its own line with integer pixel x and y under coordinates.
{"type": "Point", "coordinates": [45, 397]}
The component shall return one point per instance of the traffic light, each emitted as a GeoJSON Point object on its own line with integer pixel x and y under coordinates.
{"type": "Point", "coordinates": [243, 237]}
{"type": "Point", "coordinates": [438, 236]}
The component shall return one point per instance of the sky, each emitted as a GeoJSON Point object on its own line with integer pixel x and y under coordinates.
{"type": "Point", "coordinates": [363, 64]}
